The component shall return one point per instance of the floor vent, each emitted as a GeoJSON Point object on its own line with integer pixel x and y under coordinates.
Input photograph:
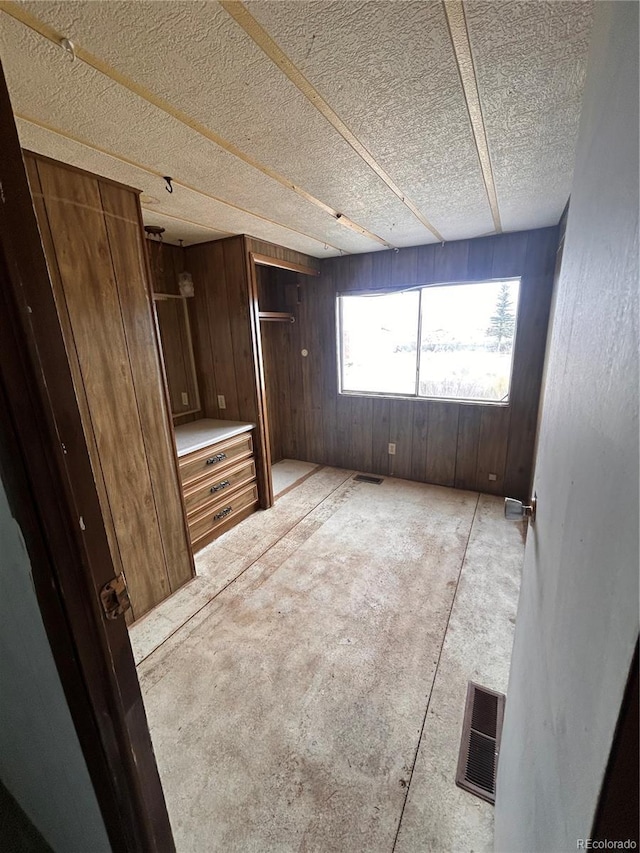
{"type": "Point", "coordinates": [480, 744]}
{"type": "Point", "coordinates": [364, 478]}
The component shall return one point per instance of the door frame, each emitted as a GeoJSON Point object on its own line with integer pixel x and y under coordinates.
{"type": "Point", "coordinates": [253, 260]}
{"type": "Point", "coordinates": [45, 463]}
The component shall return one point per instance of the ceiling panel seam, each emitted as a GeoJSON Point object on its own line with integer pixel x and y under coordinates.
{"type": "Point", "coordinates": [457, 24]}
{"type": "Point", "coordinates": [18, 13]}
{"type": "Point", "coordinates": [266, 43]}
{"type": "Point", "coordinates": [175, 181]}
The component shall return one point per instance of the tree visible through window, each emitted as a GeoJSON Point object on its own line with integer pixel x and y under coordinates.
{"type": "Point", "coordinates": [465, 333]}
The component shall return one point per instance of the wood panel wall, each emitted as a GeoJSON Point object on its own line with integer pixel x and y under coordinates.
{"type": "Point", "coordinates": [92, 236]}
{"type": "Point", "coordinates": [448, 443]}
{"type": "Point", "coordinates": [278, 291]}
{"type": "Point", "coordinates": [227, 338]}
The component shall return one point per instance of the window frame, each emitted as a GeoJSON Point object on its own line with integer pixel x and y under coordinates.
{"type": "Point", "coordinates": [387, 395]}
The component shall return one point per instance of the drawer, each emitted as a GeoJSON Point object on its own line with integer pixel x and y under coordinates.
{"type": "Point", "coordinates": [220, 513]}
{"type": "Point", "coordinates": [205, 491]}
{"type": "Point", "coordinates": [215, 457]}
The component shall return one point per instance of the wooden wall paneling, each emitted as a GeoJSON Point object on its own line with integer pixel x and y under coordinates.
{"type": "Point", "coordinates": [401, 433]}
{"type": "Point", "coordinates": [344, 421]}
{"type": "Point", "coordinates": [380, 425]}
{"type": "Point", "coordinates": [124, 232]}
{"type": "Point", "coordinates": [535, 296]}
{"type": "Point", "coordinates": [420, 433]}
{"type": "Point", "coordinates": [79, 235]}
{"type": "Point", "coordinates": [480, 259]}
{"type": "Point", "coordinates": [451, 261]}
{"type": "Point", "coordinates": [196, 261]}
{"type": "Point", "coordinates": [361, 435]}
{"type": "Point", "coordinates": [360, 272]}
{"type": "Point", "coordinates": [492, 448]}
{"type": "Point", "coordinates": [509, 253]}
{"type": "Point", "coordinates": [235, 275]}
{"type": "Point", "coordinates": [404, 267]}
{"type": "Point", "coordinates": [311, 331]}
{"type": "Point", "coordinates": [426, 256]}
{"type": "Point", "coordinates": [442, 443]}
{"type": "Point", "coordinates": [72, 355]}
{"type": "Point", "coordinates": [381, 269]}
{"type": "Point", "coordinates": [323, 299]}
{"type": "Point", "coordinates": [466, 474]}
{"type": "Point", "coordinates": [272, 356]}
{"type": "Point", "coordinates": [227, 315]}
{"type": "Point", "coordinates": [262, 247]}
{"type": "Point", "coordinates": [297, 426]}
{"type": "Point", "coordinates": [166, 262]}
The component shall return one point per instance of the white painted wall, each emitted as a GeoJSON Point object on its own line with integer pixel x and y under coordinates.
{"type": "Point", "coordinates": [41, 762]}
{"type": "Point", "coordinates": [578, 614]}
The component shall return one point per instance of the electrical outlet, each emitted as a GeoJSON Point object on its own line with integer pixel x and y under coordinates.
{"type": "Point", "coordinates": [493, 477]}
{"type": "Point", "coordinates": [221, 402]}
{"type": "Point", "coordinates": [392, 448]}
{"type": "Point", "coordinates": [185, 398]}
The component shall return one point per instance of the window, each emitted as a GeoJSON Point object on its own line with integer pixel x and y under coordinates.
{"type": "Point", "coordinates": [451, 341]}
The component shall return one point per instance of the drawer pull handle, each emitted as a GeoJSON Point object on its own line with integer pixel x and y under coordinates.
{"type": "Point", "coordinates": [217, 458]}
{"type": "Point", "coordinates": [222, 514]}
{"type": "Point", "coordinates": [222, 485]}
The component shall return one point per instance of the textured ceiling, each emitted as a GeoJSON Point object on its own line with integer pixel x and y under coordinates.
{"type": "Point", "coordinates": [324, 126]}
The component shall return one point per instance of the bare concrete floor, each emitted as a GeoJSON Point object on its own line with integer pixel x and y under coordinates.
{"type": "Point", "coordinates": [314, 700]}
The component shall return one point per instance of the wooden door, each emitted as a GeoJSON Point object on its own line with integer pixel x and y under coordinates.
{"type": "Point", "coordinates": [47, 465]}
{"type": "Point", "coordinates": [577, 623]}
{"type": "Point", "coordinates": [93, 243]}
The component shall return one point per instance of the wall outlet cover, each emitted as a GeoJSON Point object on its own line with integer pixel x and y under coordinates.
{"type": "Point", "coordinates": [493, 477]}
{"type": "Point", "coordinates": [185, 398]}
{"type": "Point", "coordinates": [221, 402]}
{"type": "Point", "coordinates": [392, 448]}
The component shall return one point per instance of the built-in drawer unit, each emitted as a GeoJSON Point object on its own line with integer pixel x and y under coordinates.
{"type": "Point", "coordinates": [218, 476]}
{"type": "Point", "coordinates": [200, 494]}
{"type": "Point", "coordinates": [208, 461]}
{"type": "Point", "coordinates": [219, 517]}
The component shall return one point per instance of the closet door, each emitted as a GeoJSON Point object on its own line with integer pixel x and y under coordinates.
{"type": "Point", "coordinates": [92, 236]}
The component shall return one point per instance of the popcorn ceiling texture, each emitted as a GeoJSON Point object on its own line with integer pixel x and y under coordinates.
{"type": "Point", "coordinates": [387, 68]}
{"type": "Point", "coordinates": [531, 64]}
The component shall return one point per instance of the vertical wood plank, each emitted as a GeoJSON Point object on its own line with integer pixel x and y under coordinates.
{"type": "Point", "coordinates": [235, 275]}
{"type": "Point", "coordinates": [467, 447]}
{"type": "Point", "coordinates": [401, 433]}
{"type": "Point", "coordinates": [492, 448]}
{"type": "Point", "coordinates": [380, 420]}
{"type": "Point", "coordinates": [76, 220]}
{"type": "Point", "coordinates": [361, 439]}
{"type": "Point", "coordinates": [200, 268]}
{"type": "Point", "coordinates": [127, 254]}
{"type": "Point", "coordinates": [420, 432]}
{"type": "Point", "coordinates": [442, 443]}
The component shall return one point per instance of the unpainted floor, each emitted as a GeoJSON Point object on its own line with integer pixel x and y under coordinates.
{"type": "Point", "coordinates": [306, 691]}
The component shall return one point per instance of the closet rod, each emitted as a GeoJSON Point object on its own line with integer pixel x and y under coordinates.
{"type": "Point", "coordinates": [276, 317]}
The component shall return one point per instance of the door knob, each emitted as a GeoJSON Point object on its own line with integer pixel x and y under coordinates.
{"type": "Point", "coordinates": [515, 510]}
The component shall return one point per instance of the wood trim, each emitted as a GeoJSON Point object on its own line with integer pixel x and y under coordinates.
{"type": "Point", "coordinates": [264, 444]}
{"type": "Point", "coordinates": [263, 40]}
{"type": "Point", "coordinates": [268, 261]}
{"type": "Point", "coordinates": [51, 479]}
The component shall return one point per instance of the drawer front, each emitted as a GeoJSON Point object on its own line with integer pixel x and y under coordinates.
{"type": "Point", "coordinates": [206, 522]}
{"type": "Point", "coordinates": [208, 461]}
{"type": "Point", "coordinates": [215, 488]}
